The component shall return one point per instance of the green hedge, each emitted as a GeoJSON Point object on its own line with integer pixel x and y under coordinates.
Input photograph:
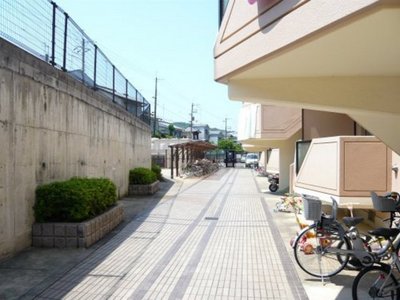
{"type": "Point", "coordinates": [157, 170]}
{"type": "Point", "coordinates": [74, 200]}
{"type": "Point", "coordinates": [142, 176]}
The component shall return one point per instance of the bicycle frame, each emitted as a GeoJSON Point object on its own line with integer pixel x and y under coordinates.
{"type": "Point", "coordinates": [395, 258]}
{"type": "Point", "coordinates": [358, 250]}
{"type": "Point", "coordinates": [326, 238]}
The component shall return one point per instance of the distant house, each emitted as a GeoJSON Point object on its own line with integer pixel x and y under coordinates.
{"type": "Point", "coordinates": [163, 128]}
{"type": "Point", "coordinates": [178, 132]}
{"type": "Point", "coordinates": [232, 135]}
{"type": "Point", "coordinates": [203, 131]}
{"type": "Point", "coordinates": [198, 132]}
{"type": "Point", "coordinates": [216, 135]}
{"type": "Point", "coordinates": [191, 133]}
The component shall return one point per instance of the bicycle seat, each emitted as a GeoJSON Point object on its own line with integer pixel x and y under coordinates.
{"type": "Point", "coordinates": [352, 221]}
{"type": "Point", "coordinates": [385, 232]}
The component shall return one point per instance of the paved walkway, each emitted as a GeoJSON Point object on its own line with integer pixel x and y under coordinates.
{"type": "Point", "coordinates": [204, 239]}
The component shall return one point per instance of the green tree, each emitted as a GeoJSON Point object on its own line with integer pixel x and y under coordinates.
{"type": "Point", "coordinates": [171, 129]}
{"type": "Point", "coordinates": [229, 144]}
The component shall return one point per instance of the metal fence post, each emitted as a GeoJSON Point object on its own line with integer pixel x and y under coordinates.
{"type": "Point", "coordinates": [113, 83]}
{"type": "Point", "coordinates": [126, 93]}
{"type": "Point", "coordinates": [144, 113]}
{"type": "Point", "coordinates": [137, 107]}
{"type": "Point", "coordinates": [65, 43]}
{"type": "Point", "coordinates": [95, 66]}
{"type": "Point", "coordinates": [53, 35]}
{"type": "Point", "coordinates": [58, 48]}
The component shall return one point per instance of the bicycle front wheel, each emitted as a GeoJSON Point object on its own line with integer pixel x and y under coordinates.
{"type": "Point", "coordinates": [375, 282]}
{"type": "Point", "coordinates": [317, 252]}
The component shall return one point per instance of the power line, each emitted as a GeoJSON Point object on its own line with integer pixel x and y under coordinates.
{"type": "Point", "coordinates": [182, 99]}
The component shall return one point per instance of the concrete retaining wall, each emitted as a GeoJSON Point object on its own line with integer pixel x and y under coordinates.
{"type": "Point", "coordinates": [52, 128]}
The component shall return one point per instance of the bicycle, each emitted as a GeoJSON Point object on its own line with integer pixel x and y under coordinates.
{"type": "Point", "coordinates": [378, 280]}
{"type": "Point", "coordinates": [324, 248]}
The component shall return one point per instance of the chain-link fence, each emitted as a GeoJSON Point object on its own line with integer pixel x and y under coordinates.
{"type": "Point", "coordinates": [46, 31]}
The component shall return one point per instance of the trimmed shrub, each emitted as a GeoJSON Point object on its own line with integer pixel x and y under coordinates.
{"type": "Point", "coordinates": [157, 170]}
{"type": "Point", "coordinates": [74, 200]}
{"type": "Point", "coordinates": [142, 176]}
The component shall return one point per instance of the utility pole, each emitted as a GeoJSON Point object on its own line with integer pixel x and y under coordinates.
{"type": "Point", "coordinates": [226, 128]}
{"type": "Point", "coordinates": [155, 109]}
{"type": "Point", "coordinates": [191, 121]}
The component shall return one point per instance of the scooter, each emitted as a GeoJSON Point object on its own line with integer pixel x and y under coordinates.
{"type": "Point", "coordinates": [273, 182]}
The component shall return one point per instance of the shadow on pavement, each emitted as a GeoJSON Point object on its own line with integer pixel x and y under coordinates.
{"type": "Point", "coordinates": [31, 272]}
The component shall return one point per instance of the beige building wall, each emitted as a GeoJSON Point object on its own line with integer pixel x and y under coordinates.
{"type": "Point", "coordinates": [52, 128]}
{"type": "Point", "coordinates": [267, 122]}
{"type": "Point", "coordinates": [349, 167]}
{"type": "Point", "coordinates": [275, 53]}
{"type": "Point", "coordinates": [318, 124]}
{"type": "Point", "coordinates": [262, 127]}
{"type": "Point", "coordinates": [273, 161]}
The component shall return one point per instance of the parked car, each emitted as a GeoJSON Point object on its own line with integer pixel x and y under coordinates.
{"type": "Point", "coordinates": [243, 158]}
{"type": "Point", "coordinates": [251, 160]}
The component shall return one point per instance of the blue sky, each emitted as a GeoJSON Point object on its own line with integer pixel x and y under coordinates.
{"type": "Point", "coordinates": [170, 39]}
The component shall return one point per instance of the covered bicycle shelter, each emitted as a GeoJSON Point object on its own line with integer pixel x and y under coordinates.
{"type": "Point", "coordinates": [187, 152]}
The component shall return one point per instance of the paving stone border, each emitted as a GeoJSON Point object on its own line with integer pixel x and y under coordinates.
{"type": "Point", "coordinates": [144, 189]}
{"type": "Point", "coordinates": [76, 235]}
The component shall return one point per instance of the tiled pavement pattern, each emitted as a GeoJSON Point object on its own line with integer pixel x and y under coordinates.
{"type": "Point", "coordinates": [207, 239]}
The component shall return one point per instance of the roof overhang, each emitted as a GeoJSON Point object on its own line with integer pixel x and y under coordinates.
{"type": "Point", "coordinates": [341, 39]}
{"type": "Point", "coordinates": [194, 145]}
{"type": "Point", "coordinates": [340, 56]}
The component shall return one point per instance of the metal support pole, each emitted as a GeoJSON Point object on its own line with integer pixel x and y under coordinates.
{"type": "Point", "coordinates": [177, 161]}
{"type": "Point", "coordinates": [155, 109]}
{"type": "Point", "coordinates": [64, 67]}
{"type": "Point", "coordinates": [83, 60]}
{"type": "Point", "coordinates": [143, 109]}
{"type": "Point", "coordinates": [126, 92]}
{"type": "Point", "coordinates": [191, 122]}
{"type": "Point", "coordinates": [95, 66]}
{"type": "Point", "coordinates": [172, 162]}
{"type": "Point", "coordinates": [53, 35]}
{"type": "Point", "coordinates": [137, 102]}
{"type": "Point", "coordinates": [113, 83]}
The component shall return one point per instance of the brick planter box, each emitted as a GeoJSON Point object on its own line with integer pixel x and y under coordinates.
{"type": "Point", "coordinates": [76, 235]}
{"type": "Point", "coordinates": [144, 189]}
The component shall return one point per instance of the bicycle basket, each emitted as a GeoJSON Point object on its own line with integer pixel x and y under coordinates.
{"type": "Point", "coordinates": [383, 204]}
{"type": "Point", "coordinates": [312, 208]}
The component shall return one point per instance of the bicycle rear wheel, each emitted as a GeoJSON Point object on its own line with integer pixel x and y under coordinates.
{"type": "Point", "coordinates": [317, 252]}
{"type": "Point", "coordinates": [374, 282]}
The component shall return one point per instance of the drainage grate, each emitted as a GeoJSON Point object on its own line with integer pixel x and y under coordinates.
{"type": "Point", "coordinates": [211, 218]}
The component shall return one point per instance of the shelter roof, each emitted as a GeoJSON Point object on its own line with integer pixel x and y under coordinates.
{"type": "Point", "coordinates": [198, 145]}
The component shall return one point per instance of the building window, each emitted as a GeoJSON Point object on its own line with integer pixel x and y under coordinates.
{"type": "Point", "coordinates": [222, 7]}
{"type": "Point", "coordinates": [301, 151]}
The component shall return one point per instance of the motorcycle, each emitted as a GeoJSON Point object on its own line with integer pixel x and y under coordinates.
{"type": "Point", "coordinates": [273, 182]}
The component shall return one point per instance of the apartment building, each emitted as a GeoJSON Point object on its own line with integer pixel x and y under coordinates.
{"type": "Point", "coordinates": [336, 63]}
